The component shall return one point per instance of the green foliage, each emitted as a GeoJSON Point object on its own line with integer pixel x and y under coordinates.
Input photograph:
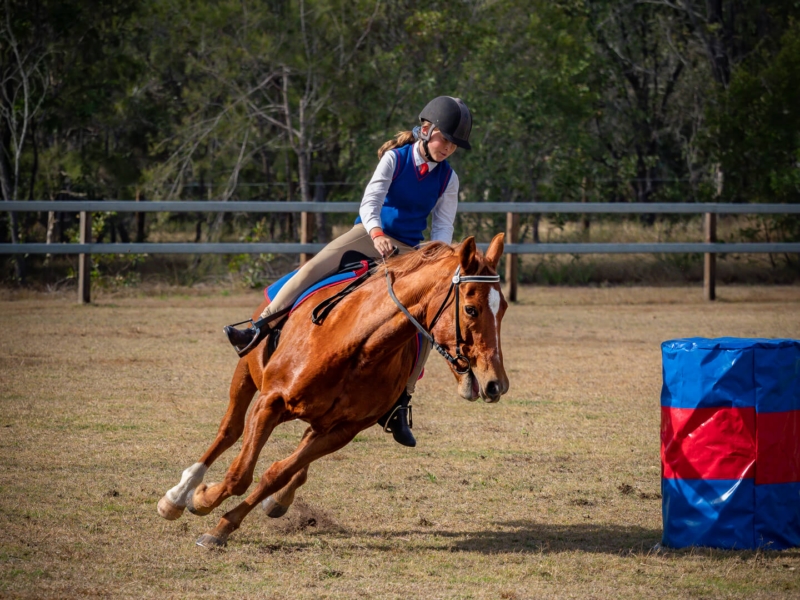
{"type": "Point", "coordinates": [553, 270]}
{"type": "Point", "coordinates": [757, 126]}
{"type": "Point", "coordinates": [246, 100]}
{"type": "Point", "coordinates": [255, 271]}
{"type": "Point", "coordinates": [756, 136]}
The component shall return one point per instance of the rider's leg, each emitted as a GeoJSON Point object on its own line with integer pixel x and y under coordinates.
{"type": "Point", "coordinates": [398, 420]}
{"type": "Point", "coordinates": [321, 265]}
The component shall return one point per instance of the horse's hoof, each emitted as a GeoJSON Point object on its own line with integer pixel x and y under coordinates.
{"type": "Point", "coordinates": [211, 542]}
{"type": "Point", "coordinates": [201, 511]}
{"type": "Point", "coordinates": [273, 509]}
{"type": "Point", "coordinates": [168, 510]}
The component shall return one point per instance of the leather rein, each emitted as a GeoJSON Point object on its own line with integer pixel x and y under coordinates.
{"type": "Point", "coordinates": [457, 280]}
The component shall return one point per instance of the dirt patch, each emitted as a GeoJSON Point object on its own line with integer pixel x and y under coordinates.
{"type": "Point", "coordinates": [305, 517]}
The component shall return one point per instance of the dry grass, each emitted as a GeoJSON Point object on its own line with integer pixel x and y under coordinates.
{"type": "Point", "coordinates": [553, 492]}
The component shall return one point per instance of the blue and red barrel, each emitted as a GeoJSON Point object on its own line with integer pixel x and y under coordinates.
{"type": "Point", "coordinates": [730, 443]}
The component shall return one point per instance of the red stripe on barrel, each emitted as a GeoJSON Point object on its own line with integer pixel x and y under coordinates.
{"type": "Point", "coordinates": [708, 443]}
{"type": "Point", "coordinates": [778, 447]}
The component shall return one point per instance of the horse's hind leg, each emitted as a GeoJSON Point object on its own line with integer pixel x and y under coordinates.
{"type": "Point", "coordinates": [279, 475]}
{"type": "Point", "coordinates": [242, 388]}
{"type": "Point", "coordinates": [278, 503]}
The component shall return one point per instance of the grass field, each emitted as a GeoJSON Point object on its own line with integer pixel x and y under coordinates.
{"type": "Point", "coordinates": [553, 492]}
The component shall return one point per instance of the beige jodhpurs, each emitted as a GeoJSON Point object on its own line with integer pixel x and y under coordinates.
{"type": "Point", "coordinates": [327, 263]}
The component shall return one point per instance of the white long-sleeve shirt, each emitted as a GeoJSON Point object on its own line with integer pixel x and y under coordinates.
{"type": "Point", "coordinates": [443, 214]}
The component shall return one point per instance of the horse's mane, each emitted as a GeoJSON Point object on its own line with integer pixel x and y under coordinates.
{"type": "Point", "coordinates": [429, 252]}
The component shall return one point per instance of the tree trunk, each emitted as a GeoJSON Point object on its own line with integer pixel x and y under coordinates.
{"type": "Point", "coordinates": [51, 226]}
{"type": "Point", "coordinates": [321, 221]}
{"type": "Point", "coordinates": [7, 184]}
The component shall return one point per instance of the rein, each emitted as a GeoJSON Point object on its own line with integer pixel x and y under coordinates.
{"type": "Point", "coordinates": [457, 280]}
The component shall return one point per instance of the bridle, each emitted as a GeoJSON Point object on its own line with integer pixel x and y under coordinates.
{"type": "Point", "coordinates": [457, 280]}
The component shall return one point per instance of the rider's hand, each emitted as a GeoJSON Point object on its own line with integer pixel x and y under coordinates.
{"type": "Point", "coordinates": [383, 245]}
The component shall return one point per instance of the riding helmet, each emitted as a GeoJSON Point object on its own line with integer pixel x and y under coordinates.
{"type": "Point", "coordinates": [452, 117]}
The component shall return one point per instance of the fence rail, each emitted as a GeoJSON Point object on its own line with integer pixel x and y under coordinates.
{"type": "Point", "coordinates": [352, 207]}
{"type": "Point", "coordinates": [710, 248]}
{"type": "Point", "coordinates": [294, 248]}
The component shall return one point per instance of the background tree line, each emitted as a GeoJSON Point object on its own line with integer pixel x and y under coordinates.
{"type": "Point", "coordinates": [573, 100]}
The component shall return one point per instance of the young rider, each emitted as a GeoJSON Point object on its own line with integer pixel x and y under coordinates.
{"type": "Point", "coordinates": [412, 180]}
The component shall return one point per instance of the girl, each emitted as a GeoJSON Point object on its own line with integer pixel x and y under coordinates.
{"type": "Point", "coordinates": [411, 182]}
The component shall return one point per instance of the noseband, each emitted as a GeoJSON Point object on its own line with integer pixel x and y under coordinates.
{"type": "Point", "coordinates": [459, 359]}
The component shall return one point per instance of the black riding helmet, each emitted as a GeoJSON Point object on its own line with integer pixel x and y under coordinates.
{"type": "Point", "coordinates": [452, 117]}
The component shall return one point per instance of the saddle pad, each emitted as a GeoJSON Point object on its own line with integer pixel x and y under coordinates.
{"type": "Point", "coordinates": [272, 291]}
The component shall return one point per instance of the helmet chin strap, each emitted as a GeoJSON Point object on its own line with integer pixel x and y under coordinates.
{"type": "Point", "coordinates": [426, 153]}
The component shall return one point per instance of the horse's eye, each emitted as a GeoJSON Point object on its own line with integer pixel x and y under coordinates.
{"type": "Point", "coordinates": [471, 311]}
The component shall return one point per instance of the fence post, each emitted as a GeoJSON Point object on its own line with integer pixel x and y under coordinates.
{"type": "Point", "coordinates": [710, 258]}
{"type": "Point", "coordinates": [512, 235]}
{"type": "Point", "coordinates": [85, 261]}
{"type": "Point", "coordinates": [139, 220]}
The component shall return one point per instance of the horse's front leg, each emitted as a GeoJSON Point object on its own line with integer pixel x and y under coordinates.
{"type": "Point", "coordinates": [266, 414]}
{"type": "Point", "coordinates": [279, 475]}
{"type": "Point", "coordinates": [241, 393]}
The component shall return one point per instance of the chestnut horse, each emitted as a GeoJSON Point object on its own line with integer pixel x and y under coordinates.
{"type": "Point", "coordinates": [341, 376]}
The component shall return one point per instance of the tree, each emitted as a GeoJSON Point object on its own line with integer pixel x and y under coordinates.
{"type": "Point", "coordinates": [23, 88]}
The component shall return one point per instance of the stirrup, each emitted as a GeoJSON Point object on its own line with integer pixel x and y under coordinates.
{"type": "Point", "coordinates": [257, 338]}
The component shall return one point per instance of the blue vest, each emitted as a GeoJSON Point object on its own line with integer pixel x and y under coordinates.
{"type": "Point", "coordinates": [411, 197]}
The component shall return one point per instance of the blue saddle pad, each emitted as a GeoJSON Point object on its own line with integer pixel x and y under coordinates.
{"type": "Point", "coordinates": [337, 278]}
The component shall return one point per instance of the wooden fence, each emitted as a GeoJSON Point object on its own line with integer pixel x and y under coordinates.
{"type": "Point", "coordinates": [710, 247]}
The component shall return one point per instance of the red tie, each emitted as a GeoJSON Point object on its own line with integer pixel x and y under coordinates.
{"type": "Point", "coordinates": [423, 169]}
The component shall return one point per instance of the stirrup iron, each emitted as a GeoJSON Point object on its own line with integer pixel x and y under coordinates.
{"type": "Point", "coordinates": [257, 338]}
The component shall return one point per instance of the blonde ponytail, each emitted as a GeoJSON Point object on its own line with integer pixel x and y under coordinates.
{"type": "Point", "coordinates": [403, 138]}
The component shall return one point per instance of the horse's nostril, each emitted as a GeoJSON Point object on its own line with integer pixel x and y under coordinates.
{"type": "Point", "coordinates": [492, 389]}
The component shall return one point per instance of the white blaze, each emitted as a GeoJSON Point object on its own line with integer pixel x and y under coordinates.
{"type": "Point", "coordinates": [494, 302]}
{"type": "Point", "coordinates": [494, 306]}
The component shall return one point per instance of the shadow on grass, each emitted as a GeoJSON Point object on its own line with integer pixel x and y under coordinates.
{"type": "Point", "coordinates": [526, 536]}
{"type": "Point", "coordinates": [530, 536]}
{"type": "Point", "coordinates": [523, 536]}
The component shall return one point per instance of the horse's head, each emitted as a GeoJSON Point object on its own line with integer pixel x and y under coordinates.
{"type": "Point", "coordinates": [480, 307]}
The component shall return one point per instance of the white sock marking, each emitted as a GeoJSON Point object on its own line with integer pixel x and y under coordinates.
{"type": "Point", "coordinates": [190, 479]}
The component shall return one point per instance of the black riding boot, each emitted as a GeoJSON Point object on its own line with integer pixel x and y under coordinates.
{"type": "Point", "coordinates": [239, 337]}
{"type": "Point", "coordinates": [244, 340]}
{"type": "Point", "coordinates": [398, 421]}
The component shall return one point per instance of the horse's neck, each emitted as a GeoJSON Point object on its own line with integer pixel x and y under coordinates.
{"type": "Point", "coordinates": [420, 292]}
{"type": "Point", "coordinates": [423, 290]}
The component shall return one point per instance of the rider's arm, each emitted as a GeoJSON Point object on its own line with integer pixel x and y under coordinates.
{"type": "Point", "coordinates": [444, 213]}
{"type": "Point", "coordinates": [375, 192]}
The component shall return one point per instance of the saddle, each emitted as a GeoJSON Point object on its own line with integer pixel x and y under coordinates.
{"type": "Point", "coordinates": [353, 267]}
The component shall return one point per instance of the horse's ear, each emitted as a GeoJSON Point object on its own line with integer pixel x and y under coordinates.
{"type": "Point", "coordinates": [495, 250]}
{"type": "Point", "coordinates": [466, 254]}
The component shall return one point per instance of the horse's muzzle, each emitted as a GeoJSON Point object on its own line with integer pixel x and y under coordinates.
{"type": "Point", "coordinates": [493, 391]}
